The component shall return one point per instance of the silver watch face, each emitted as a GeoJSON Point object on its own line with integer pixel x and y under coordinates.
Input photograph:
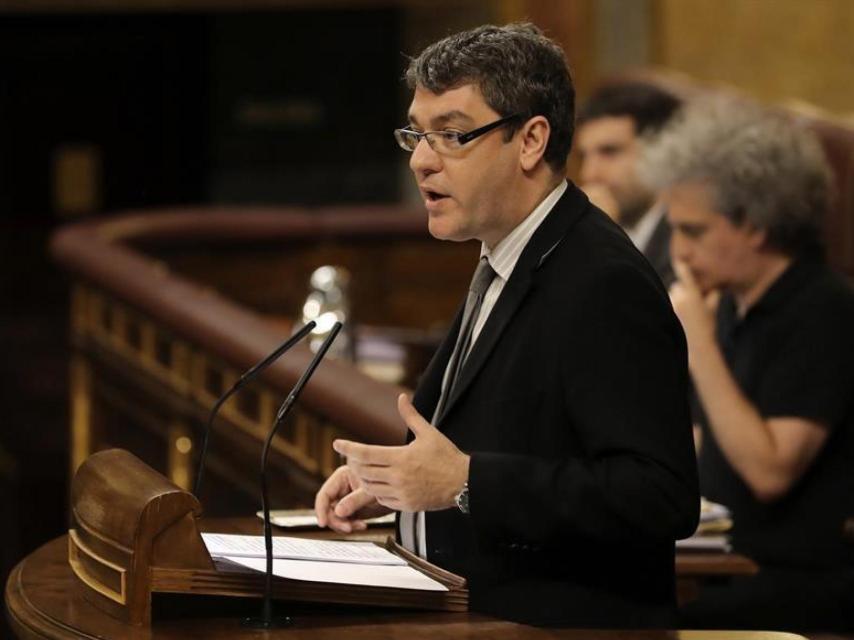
{"type": "Point", "coordinates": [463, 499]}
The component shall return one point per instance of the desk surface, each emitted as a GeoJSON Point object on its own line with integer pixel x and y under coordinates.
{"type": "Point", "coordinates": [693, 564]}
{"type": "Point", "coordinates": [42, 602]}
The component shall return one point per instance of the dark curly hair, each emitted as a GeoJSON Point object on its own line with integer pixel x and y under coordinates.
{"type": "Point", "coordinates": [518, 71]}
{"type": "Point", "coordinates": [648, 106]}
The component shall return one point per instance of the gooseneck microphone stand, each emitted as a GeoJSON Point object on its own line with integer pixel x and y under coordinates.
{"type": "Point", "coordinates": [241, 382]}
{"type": "Point", "coordinates": [267, 621]}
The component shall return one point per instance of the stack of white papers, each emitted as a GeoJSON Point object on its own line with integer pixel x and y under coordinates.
{"type": "Point", "coordinates": [332, 561]}
{"type": "Point", "coordinates": [306, 518]}
{"type": "Point", "coordinates": [711, 511]}
{"type": "Point", "coordinates": [715, 521]}
{"type": "Point", "coordinates": [705, 543]}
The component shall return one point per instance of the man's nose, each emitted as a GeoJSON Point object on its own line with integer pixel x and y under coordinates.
{"type": "Point", "coordinates": [424, 160]}
{"type": "Point", "coordinates": [680, 247]}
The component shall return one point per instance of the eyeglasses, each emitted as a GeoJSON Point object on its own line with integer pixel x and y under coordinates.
{"type": "Point", "coordinates": [445, 141]}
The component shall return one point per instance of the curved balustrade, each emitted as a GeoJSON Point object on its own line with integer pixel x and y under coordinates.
{"type": "Point", "coordinates": [154, 347]}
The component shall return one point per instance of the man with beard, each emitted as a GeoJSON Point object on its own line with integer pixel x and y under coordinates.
{"type": "Point", "coordinates": [613, 126]}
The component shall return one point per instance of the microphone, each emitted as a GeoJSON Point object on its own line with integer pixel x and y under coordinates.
{"type": "Point", "coordinates": [266, 621]}
{"type": "Point", "coordinates": [243, 380]}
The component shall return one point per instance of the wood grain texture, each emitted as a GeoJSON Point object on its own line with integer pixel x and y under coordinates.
{"type": "Point", "coordinates": [41, 603]}
{"type": "Point", "coordinates": [772, 49]}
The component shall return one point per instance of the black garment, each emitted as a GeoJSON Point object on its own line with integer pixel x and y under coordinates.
{"type": "Point", "coordinates": [792, 356]}
{"type": "Point", "coordinates": [788, 599]}
{"type": "Point", "coordinates": [573, 406]}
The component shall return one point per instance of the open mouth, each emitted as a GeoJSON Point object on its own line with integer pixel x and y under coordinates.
{"type": "Point", "coordinates": [434, 196]}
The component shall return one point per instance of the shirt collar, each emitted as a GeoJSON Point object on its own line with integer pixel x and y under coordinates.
{"type": "Point", "coordinates": [641, 233]}
{"type": "Point", "coordinates": [505, 255]}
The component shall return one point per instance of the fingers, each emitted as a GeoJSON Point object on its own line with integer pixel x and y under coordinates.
{"type": "Point", "coordinates": [352, 503]}
{"type": "Point", "coordinates": [341, 518]}
{"type": "Point", "coordinates": [341, 525]}
{"type": "Point", "coordinates": [365, 453]}
{"type": "Point", "coordinates": [340, 500]}
{"type": "Point", "coordinates": [372, 474]}
{"type": "Point", "coordinates": [385, 476]}
{"type": "Point", "coordinates": [414, 420]}
{"type": "Point", "coordinates": [686, 277]}
{"type": "Point", "coordinates": [385, 494]}
{"type": "Point", "coordinates": [321, 508]}
{"type": "Point", "coordinates": [712, 299]}
{"type": "Point", "coordinates": [336, 485]}
{"type": "Point", "coordinates": [391, 503]}
{"type": "Point", "coordinates": [327, 493]}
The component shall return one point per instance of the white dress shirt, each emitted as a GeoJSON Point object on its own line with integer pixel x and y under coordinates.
{"type": "Point", "coordinates": [641, 233]}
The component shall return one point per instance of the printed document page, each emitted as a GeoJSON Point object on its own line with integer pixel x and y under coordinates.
{"type": "Point", "coordinates": [397, 577]}
{"type": "Point", "coordinates": [303, 549]}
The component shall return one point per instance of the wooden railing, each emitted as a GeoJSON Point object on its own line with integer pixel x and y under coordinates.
{"type": "Point", "coordinates": [152, 348]}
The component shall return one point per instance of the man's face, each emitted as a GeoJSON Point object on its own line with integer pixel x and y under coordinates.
{"type": "Point", "coordinates": [720, 254]}
{"type": "Point", "coordinates": [468, 193]}
{"type": "Point", "coordinates": [608, 148]}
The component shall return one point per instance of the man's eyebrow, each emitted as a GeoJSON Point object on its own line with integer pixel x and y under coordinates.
{"type": "Point", "coordinates": [691, 227]}
{"type": "Point", "coordinates": [611, 147]}
{"type": "Point", "coordinates": [449, 117]}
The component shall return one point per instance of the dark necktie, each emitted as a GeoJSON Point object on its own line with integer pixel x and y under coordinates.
{"type": "Point", "coordinates": [483, 277]}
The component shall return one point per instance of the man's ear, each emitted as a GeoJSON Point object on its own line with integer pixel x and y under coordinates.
{"type": "Point", "coordinates": [535, 137]}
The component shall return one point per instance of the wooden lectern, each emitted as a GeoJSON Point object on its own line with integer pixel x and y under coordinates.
{"type": "Point", "coordinates": [134, 533]}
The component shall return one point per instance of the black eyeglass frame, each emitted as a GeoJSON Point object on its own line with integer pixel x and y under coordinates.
{"type": "Point", "coordinates": [462, 138]}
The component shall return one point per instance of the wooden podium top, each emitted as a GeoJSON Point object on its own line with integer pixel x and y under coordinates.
{"type": "Point", "coordinates": [42, 602]}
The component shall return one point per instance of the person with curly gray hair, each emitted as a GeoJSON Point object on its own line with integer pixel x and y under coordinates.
{"type": "Point", "coordinates": [549, 458]}
{"type": "Point", "coordinates": [770, 333]}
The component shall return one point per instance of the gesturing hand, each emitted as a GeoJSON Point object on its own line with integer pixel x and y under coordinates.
{"type": "Point", "coordinates": [343, 505]}
{"type": "Point", "coordinates": [424, 475]}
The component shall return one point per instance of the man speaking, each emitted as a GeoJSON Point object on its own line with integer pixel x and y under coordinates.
{"type": "Point", "coordinates": [550, 457]}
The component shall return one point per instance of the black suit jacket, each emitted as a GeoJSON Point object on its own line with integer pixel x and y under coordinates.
{"type": "Point", "coordinates": [573, 407]}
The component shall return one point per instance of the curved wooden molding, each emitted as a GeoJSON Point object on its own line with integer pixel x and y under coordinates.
{"type": "Point", "coordinates": [102, 252]}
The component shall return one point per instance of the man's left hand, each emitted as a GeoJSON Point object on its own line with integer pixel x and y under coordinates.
{"type": "Point", "coordinates": [424, 475]}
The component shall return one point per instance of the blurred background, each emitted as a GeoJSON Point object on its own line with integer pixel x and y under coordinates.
{"type": "Point", "coordinates": [115, 105]}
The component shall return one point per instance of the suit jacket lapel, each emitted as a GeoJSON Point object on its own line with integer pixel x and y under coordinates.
{"type": "Point", "coordinates": [541, 245]}
{"type": "Point", "coordinates": [430, 386]}
{"type": "Point", "coordinates": [511, 297]}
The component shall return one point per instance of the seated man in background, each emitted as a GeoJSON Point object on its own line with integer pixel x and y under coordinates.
{"type": "Point", "coordinates": [612, 126]}
{"type": "Point", "coordinates": [770, 334]}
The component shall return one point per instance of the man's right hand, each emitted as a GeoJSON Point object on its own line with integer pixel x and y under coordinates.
{"type": "Point", "coordinates": [342, 505]}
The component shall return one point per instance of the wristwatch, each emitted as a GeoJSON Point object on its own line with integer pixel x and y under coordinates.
{"type": "Point", "coordinates": [462, 499]}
